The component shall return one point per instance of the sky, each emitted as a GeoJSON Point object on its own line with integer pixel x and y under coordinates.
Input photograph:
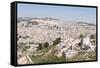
{"type": "Point", "coordinates": [66, 13]}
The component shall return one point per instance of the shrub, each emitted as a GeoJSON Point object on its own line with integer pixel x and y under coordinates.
{"type": "Point", "coordinates": [43, 45]}
{"type": "Point", "coordinates": [81, 36]}
{"type": "Point", "coordinates": [57, 41]}
{"type": "Point", "coordinates": [46, 44]}
{"type": "Point", "coordinates": [40, 46]}
{"type": "Point", "coordinates": [92, 37]}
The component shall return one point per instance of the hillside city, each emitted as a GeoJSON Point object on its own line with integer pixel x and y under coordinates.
{"type": "Point", "coordinates": [50, 40]}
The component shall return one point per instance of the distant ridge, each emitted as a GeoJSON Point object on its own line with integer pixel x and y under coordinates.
{"type": "Point", "coordinates": [87, 23]}
{"type": "Point", "coordinates": [19, 19]}
{"type": "Point", "coordinates": [32, 18]}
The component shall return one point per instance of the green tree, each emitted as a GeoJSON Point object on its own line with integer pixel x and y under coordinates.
{"type": "Point", "coordinates": [57, 41]}
{"type": "Point", "coordinates": [46, 44]}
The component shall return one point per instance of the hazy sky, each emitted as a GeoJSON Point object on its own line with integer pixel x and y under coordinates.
{"type": "Point", "coordinates": [67, 13]}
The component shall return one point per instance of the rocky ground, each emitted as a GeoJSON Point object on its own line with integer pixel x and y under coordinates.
{"type": "Point", "coordinates": [49, 40]}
